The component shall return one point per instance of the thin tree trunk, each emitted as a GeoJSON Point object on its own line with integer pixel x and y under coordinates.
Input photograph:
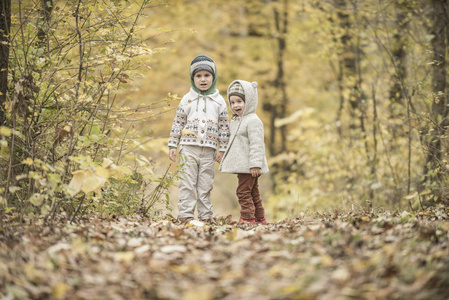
{"type": "Point", "coordinates": [342, 97]}
{"type": "Point", "coordinates": [5, 24]}
{"type": "Point", "coordinates": [273, 116]}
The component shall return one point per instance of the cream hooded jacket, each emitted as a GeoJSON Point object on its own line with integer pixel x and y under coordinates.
{"type": "Point", "coordinates": [246, 147]}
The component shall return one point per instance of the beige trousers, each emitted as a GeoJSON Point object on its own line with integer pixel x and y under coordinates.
{"type": "Point", "coordinates": [196, 181]}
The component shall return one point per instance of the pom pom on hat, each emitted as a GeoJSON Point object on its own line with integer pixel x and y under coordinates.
{"type": "Point", "coordinates": [254, 84]}
{"type": "Point", "coordinates": [200, 63]}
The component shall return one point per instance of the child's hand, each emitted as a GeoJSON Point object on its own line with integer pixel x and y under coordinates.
{"type": "Point", "coordinates": [255, 172]}
{"type": "Point", "coordinates": [219, 157]}
{"type": "Point", "coordinates": [172, 154]}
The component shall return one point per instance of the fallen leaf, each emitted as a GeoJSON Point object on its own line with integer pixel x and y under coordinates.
{"type": "Point", "coordinates": [59, 290]}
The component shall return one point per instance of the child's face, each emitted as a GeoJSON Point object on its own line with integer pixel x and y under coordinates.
{"type": "Point", "coordinates": [237, 105]}
{"type": "Point", "coordinates": [203, 80]}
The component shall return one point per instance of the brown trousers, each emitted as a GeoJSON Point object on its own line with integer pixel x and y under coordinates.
{"type": "Point", "coordinates": [249, 197]}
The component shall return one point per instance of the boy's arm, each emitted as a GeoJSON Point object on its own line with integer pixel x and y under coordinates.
{"type": "Point", "coordinates": [223, 130]}
{"type": "Point", "coordinates": [179, 122]}
{"type": "Point", "coordinates": [219, 156]}
{"type": "Point", "coordinates": [172, 154]}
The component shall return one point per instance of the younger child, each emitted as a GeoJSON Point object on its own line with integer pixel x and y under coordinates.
{"type": "Point", "coordinates": [200, 127]}
{"type": "Point", "coordinates": [245, 155]}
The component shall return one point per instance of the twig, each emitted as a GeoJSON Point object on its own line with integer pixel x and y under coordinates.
{"type": "Point", "coordinates": [77, 209]}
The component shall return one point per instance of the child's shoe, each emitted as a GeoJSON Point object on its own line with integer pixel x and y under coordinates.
{"type": "Point", "coordinates": [250, 221]}
{"type": "Point", "coordinates": [184, 221]}
{"type": "Point", "coordinates": [261, 221]}
{"type": "Point", "coordinates": [210, 221]}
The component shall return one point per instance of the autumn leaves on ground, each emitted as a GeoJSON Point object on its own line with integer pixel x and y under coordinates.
{"type": "Point", "coordinates": [351, 255]}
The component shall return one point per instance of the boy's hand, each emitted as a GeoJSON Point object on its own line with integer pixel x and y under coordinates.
{"type": "Point", "coordinates": [219, 156]}
{"type": "Point", "coordinates": [255, 172]}
{"type": "Point", "coordinates": [172, 154]}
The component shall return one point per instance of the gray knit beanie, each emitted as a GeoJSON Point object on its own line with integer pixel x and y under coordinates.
{"type": "Point", "coordinates": [200, 63]}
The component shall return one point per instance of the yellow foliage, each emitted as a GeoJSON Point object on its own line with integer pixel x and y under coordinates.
{"type": "Point", "coordinates": [5, 131]}
{"type": "Point", "coordinates": [28, 161]}
{"type": "Point", "coordinates": [86, 181]}
{"type": "Point", "coordinates": [92, 179]}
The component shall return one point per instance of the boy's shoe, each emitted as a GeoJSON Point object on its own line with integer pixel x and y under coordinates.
{"type": "Point", "coordinates": [211, 221]}
{"type": "Point", "coordinates": [261, 221]}
{"type": "Point", "coordinates": [250, 221]}
{"type": "Point", "coordinates": [185, 220]}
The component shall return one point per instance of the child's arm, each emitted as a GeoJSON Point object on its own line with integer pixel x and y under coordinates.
{"type": "Point", "coordinates": [219, 156]}
{"type": "Point", "coordinates": [255, 172]}
{"type": "Point", "coordinates": [223, 131]}
{"type": "Point", "coordinates": [178, 125]}
{"type": "Point", "coordinates": [176, 131]}
{"type": "Point", "coordinates": [256, 144]}
{"type": "Point", "coordinates": [172, 154]}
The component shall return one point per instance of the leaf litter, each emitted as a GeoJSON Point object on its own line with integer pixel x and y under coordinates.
{"type": "Point", "coordinates": [351, 255]}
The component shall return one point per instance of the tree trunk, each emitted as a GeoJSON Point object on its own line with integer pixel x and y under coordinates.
{"type": "Point", "coordinates": [278, 108]}
{"type": "Point", "coordinates": [398, 56]}
{"type": "Point", "coordinates": [439, 74]}
{"type": "Point", "coordinates": [281, 24]}
{"type": "Point", "coordinates": [439, 56]}
{"type": "Point", "coordinates": [348, 61]}
{"type": "Point", "coordinates": [47, 8]}
{"type": "Point", "coordinates": [5, 24]}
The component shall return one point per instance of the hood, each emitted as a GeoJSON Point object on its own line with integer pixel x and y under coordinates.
{"type": "Point", "coordinates": [250, 89]}
{"type": "Point", "coordinates": [213, 87]}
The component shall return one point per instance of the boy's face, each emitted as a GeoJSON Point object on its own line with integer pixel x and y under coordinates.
{"type": "Point", "coordinates": [203, 80]}
{"type": "Point", "coordinates": [237, 105]}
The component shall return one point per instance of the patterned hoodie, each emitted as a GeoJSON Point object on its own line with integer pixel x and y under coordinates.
{"type": "Point", "coordinates": [201, 119]}
{"type": "Point", "coordinates": [246, 147]}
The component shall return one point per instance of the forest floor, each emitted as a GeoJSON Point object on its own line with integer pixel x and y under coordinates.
{"type": "Point", "coordinates": [350, 255]}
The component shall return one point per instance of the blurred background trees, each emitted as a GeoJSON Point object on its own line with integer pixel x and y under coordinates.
{"type": "Point", "coordinates": [353, 95]}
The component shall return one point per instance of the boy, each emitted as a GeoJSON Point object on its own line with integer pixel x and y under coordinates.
{"type": "Point", "coordinates": [245, 155]}
{"type": "Point", "coordinates": [200, 127]}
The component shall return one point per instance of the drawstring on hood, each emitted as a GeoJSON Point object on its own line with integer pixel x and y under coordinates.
{"type": "Point", "coordinates": [205, 102]}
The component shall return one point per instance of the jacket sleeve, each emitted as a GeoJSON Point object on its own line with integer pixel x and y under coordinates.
{"type": "Point", "coordinates": [179, 122]}
{"type": "Point", "coordinates": [223, 129]}
{"type": "Point", "coordinates": [256, 144]}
